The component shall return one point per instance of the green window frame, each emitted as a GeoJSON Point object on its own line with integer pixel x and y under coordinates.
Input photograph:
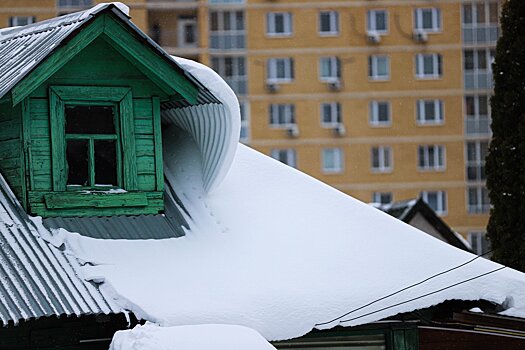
{"type": "Point", "coordinates": [118, 97]}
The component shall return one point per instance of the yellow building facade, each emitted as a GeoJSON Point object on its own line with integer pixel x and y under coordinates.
{"type": "Point", "coordinates": [386, 100]}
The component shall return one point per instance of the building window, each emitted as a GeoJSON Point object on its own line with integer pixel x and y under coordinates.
{"type": "Point", "coordinates": [332, 160]}
{"type": "Point", "coordinates": [187, 32]}
{"type": "Point", "coordinates": [476, 154]}
{"type": "Point", "coordinates": [279, 24]}
{"type": "Point", "coordinates": [429, 112]}
{"type": "Point", "coordinates": [18, 21]}
{"type": "Point", "coordinates": [378, 67]}
{"type": "Point", "coordinates": [477, 118]}
{"type": "Point", "coordinates": [479, 243]}
{"type": "Point", "coordinates": [437, 200]}
{"type": "Point", "coordinates": [280, 70]}
{"type": "Point", "coordinates": [281, 115]}
{"type": "Point", "coordinates": [98, 151]}
{"type": "Point", "coordinates": [478, 199]}
{"type": "Point", "coordinates": [428, 66]}
{"type": "Point", "coordinates": [382, 197]}
{"type": "Point", "coordinates": [427, 20]}
{"type": "Point", "coordinates": [431, 157]}
{"type": "Point", "coordinates": [329, 69]}
{"type": "Point", "coordinates": [233, 70]}
{"type": "Point", "coordinates": [478, 68]}
{"type": "Point", "coordinates": [75, 3]}
{"type": "Point", "coordinates": [223, 1]}
{"type": "Point", "coordinates": [328, 23]}
{"type": "Point", "coordinates": [377, 21]}
{"type": "Point", "coordinates": [245, 121]}
{"type": "Point", "coordinates": [285, 155]}
{"type": "Point", "coordinates": [381, 159]}
{"type": "Point", "coordinates": [480, 22]}
{"type": "Point", "coordinates": [330, 114]}
{"type": "Point", "coordinates": [227, 30]}
{"type": "Point", "coordinates": [379, 113]}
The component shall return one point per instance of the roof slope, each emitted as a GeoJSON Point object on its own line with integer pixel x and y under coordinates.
{"type": "Point", "coordinates": [36, 278]}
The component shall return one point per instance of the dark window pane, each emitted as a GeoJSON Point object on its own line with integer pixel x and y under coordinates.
{"type": "Point", "coordinates": [89, 120]}
{"type": "Point", "coordinates": [77, 161]}
{"type": "Point", "coordinates": [105, 162]}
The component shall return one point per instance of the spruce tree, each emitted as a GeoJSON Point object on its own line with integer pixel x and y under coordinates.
{"type": "Point", "coordinates": [505, 166]}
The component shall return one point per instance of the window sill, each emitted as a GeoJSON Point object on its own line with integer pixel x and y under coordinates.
{"type": "Point", "coordinates": [95, 199]}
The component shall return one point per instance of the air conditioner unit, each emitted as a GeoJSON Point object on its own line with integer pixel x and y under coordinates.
{"type": "Point", "coordinates": [420, 37]}
{"type": "Point", "coordinates": [373, 37]}
{"type": "Point", "coordinates": [334, 85]}
{"type": "Point", "coordinates": [339, 130]}
{"type": "Point", "coordinates": [272, 87]}
{"type": "Point", "coordinates": [292, 130]}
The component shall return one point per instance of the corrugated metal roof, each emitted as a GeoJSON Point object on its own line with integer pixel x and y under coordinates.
{"type": "Point", "coordinates": [36, 278]}
{"type": "Point", "coordinates": [23, 48]}
{"type": "Point", "coordinates": [169, 225]}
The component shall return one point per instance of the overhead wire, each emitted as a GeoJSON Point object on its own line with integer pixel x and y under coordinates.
{"type": "Point", "coordinates": [405, 288]}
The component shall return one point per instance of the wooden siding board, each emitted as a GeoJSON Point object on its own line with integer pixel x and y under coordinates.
{"type": "Point", "coordinates": [95, 200]}
{"type": "Point", "coordinates": [159, 168]}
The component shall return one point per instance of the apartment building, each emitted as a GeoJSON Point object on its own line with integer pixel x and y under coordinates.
{"type": "Point", "coordinates": [385, 100]}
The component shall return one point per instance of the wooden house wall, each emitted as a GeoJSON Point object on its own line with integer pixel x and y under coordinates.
{"type": "Point", "coordinates": [11, 147]}
{"type": "Point", "coordinates": [97, 65]}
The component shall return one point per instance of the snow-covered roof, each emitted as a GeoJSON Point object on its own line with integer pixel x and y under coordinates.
{"type": "Point", "coordinates": [37, 278]}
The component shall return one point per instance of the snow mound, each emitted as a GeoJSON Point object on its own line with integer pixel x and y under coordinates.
{"type": "Point", "coordinates": [198, 337]}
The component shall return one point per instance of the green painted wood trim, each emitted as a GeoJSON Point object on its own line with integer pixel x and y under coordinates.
{"type": "Point", "coordinates": [90, 95]}
{"type": "Point", "coordinates": [58, 145]}
{"type": "Point", "coordinates": [157, 133]}
{"type": "Point", "coordinates": [41, 210]}
{"type": "Point", "coordinates": [57, 60]}
{"type": "Point", "coordinates": [127, 130]}
{"type": "Point", "coordinates": [149, 62]}
{"type": "Point", "coordinates": [95, 200]}
{"type": "Point", "coordinates": [25, 156]}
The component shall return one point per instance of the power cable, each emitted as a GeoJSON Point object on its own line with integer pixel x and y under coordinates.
{"type": "Point", "coordinates": [406, 288]}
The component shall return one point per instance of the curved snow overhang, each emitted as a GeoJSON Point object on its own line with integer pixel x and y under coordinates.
{"type": "Point", "coordinates": [214, 127]}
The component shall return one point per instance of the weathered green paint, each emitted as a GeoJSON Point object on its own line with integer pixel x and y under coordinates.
{"type": "Point", "coordinates": [11, 161]}
{"type": "Point", "coordinates": [405, 339]}
{"type": "Point", "coordinates": [26, 157]}
{"type": "Point", "coordinates": [58, 146]}
{"type": "Point", "coordinates": [150, 63]}
{"type": "Point", "coordinates": [128, 142]}
{"type": "Point", "coordinates": [59, 58]}
{"type": "Point", "coordinates": [159, 171]}
{"type": "Point", "coordinates": [96, 199]}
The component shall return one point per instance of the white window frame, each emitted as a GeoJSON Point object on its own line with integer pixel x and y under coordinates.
{"type": "Point", "coordinates": [438, 108]}
{"type": "Point", "coordinates": [18, 21]}
{"type": "Point", "coordinates": [281, 115]}
{"type": "Point", "coordinates": [286, 156]}
{"type": "Point", "coordinates": [478, 194]}
{"type": "Point", "coordinates": [378, 197]}
{"type": "Point", "coordinates": [234, 73]}
{"type": "Point", "coordinates": [334, 69]}
{"type": "Point", "coordinates": [331, 110]}
{"type": "Point", "coordinates": [338, 160]}
{"type": "Point", "coordinates": [384, 159]}
{"type": "Point", "coordinates": [371, 21]}
{"type": "Point", "coordinates": [476, 23]}
{"type": "Point", "coordinates": [74, 3]}
{"type": "Point", "coordinates": [431, 157]}
{"type": "Point", "coordinates": [244, 108]}
{"type": "Point", "coordinates": [373, 113]}
{"type": "Point", "coordinates": [181, 35]}
{"type": "Point", "coordinates": [441, 201]}
{"type": "Point", "coordinates": [476, 163]}
{"type": "Point", "coordinates": [272, 71]}
{"type": "Point", "coordinates": [224, 36]}
{"type": "Point", "coordinates": [373, 67]}
{"type": "Point", "coordinates": [333, 18]}
{"type": "Point", "coordinates": [436, 20]}
{"type": "Point", "coordinates": [476, 240]}
{"type": "Point", "coordinates": [437, 66]}
{"type": "Point", "coordinates": [477, 123]}
{"type": "Point", "coordinates": [271, 18]}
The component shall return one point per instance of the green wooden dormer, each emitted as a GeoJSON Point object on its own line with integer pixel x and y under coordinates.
{"type": "Point", "coordinates": [80, 125]}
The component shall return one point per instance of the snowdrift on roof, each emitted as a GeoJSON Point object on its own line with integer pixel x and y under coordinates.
{"type": "Point", "coordinates": [280, 252]}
